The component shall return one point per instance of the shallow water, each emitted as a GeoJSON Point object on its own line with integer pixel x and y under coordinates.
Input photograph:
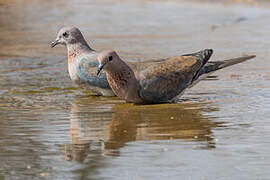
{"type": "Point", "coordinates": [52, 129]}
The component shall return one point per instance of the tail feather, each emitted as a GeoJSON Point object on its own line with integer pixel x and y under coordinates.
{"type": "Point", "coordinates": [216, 65]}
{"type": "Point", "coordinates": [213, 66]}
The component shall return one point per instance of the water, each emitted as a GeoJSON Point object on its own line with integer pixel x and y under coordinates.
{"type": "Point", "coordinates": [53, 129]}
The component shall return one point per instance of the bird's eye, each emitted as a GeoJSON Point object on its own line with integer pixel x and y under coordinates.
{"type": "Point", "coordinates": [110, 58]}
{"type": "Point", "coordinates": [65, 34]}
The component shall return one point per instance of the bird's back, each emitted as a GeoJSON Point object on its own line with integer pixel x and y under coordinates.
{"type": "Point", "coordinates": [165, 80]}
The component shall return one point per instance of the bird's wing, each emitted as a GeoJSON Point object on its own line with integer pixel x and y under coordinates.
{"type": "Point", "coordinates": [142, 65]}
{"type": "Point", "coordinates": [165, 80]}
{"type": "Point", "coordinates": [87, 71]}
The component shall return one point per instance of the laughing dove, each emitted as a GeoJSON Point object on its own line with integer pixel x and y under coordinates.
{"type": "Point", "coordinates": [160, 82]}
{"type": "Point", "coordinates": [82, 61]}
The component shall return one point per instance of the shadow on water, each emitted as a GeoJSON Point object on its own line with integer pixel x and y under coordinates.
{"type": "Point", "coordinates": [112, 130]}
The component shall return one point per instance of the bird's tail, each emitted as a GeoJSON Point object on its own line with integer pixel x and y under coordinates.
{"type": "Point", "coordinates": [212, 66]}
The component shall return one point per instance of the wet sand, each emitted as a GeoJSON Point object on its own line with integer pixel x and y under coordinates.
{"type": "Point", "coordinates": [53, 129]}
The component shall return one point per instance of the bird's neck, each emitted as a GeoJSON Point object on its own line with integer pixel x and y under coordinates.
{"type": "Point", "coordinates": [77, 49]}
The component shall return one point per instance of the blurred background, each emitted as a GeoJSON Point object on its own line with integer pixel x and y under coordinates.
{"type": "Point", "coordinates": [52, 129]}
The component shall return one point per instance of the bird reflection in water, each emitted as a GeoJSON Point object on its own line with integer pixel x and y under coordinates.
{"type": "Point", "coordinates": [98, 130]}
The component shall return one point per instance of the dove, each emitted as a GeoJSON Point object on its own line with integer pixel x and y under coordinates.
{"type": "Point", "coordinates": [82, 61]}
{"type": "Point", "coordinates": [160, 82]}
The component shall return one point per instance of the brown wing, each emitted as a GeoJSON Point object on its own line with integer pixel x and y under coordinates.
{"type": "Point", "coordinates": [165, 80]}
{"type": "Point", "coordinates": [137, 67]}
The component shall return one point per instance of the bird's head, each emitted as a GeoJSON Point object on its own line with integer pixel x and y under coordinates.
{"type": "Point", "coordinates": [68, 35]}
{"type": "Point", "coordinates": [107, 59]}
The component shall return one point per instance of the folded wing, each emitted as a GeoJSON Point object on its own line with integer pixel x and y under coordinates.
{"type": "Point", "coordinates": [165, 80]}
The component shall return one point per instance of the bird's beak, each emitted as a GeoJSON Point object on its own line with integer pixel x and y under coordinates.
{"type": "Point", "coordinates": [99, 68]}
{"type": "Point", "coordinates": [54, 43]}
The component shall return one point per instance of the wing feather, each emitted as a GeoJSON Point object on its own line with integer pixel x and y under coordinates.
{"type": "Point", "coordinates": [165, 80]}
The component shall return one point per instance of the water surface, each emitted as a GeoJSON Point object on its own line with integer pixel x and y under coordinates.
{"type": "Point", "coordinates": [53, 129]}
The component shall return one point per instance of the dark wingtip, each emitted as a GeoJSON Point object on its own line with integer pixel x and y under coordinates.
{"type": "Point", "coordinates": [209, 50]}
{"type": "Point", "coordinates": [206, 54]}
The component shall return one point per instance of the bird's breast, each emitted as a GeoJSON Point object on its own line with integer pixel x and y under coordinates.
{"type": "Point", "coordinates": [72, 70]}
{"type": "Point", "coordinates": [72, 55]}
{"type": "Point", "coordinates": [125, 87]}
{"type": "Point", "coordinates": [118, 84]}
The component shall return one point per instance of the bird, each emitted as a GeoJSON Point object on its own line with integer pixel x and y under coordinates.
{"type": "Point", "coordinates": [160, 82]}
{"type": "Point", "coordinates": [82, 61]}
